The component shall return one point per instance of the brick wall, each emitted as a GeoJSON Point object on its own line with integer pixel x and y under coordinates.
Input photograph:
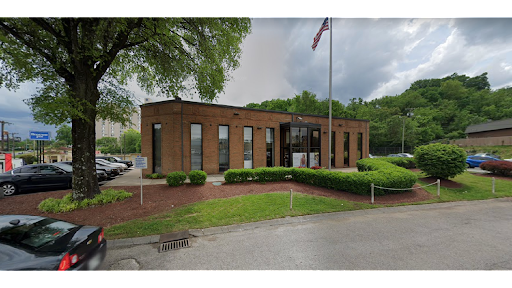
{"type": "Point", "coordinates": [169, 114]}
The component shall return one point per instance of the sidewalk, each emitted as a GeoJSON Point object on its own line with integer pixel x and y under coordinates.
{"type": "Point", "coordinates": [132, 178]}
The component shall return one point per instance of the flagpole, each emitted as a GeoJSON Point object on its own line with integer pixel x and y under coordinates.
{"type": "Point", "coordinates": [330, 91]}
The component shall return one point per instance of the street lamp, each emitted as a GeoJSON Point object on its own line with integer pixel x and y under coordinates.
{"type": "Point", "coordinates": [409, 114]}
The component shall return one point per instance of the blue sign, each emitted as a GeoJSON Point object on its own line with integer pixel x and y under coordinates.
{"type": "Point", "coordinates": [39, 135]}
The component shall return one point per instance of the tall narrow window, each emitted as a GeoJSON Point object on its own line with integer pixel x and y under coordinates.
{"type": "Point", "coordinates": [314, 150]}
{"type": "Point", "coordinates": [270, 147]}
{"type": "Point", "coordinates": [248, 147]}
{"type": "Point", "coordinates": [157, 148]}
{"type": "Point", "coordinates": [196, 147]}
{"type": "Point", "coordinates": [223, 148]}
{"type": "Point", "coordinates": [346, 148]}
{"type": "Point", "coordinates": [359, 145]}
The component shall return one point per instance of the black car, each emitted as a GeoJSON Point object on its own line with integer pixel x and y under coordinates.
{"type": "Point", "coordinates": [36, 177]}
{"type": "Point", "coordinates": [41, 243]}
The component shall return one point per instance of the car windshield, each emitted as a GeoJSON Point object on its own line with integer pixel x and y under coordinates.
{"type": "Point", "coordinates": [37, 234]}
{"type": "Point", "coordinates": [103, 161]}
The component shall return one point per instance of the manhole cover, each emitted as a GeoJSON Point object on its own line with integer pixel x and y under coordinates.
{"type": "Point", "coordinates": [217, 183]}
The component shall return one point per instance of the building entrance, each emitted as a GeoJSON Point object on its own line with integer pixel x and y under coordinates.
{"type": "Point", "coordinates": [300, 144]}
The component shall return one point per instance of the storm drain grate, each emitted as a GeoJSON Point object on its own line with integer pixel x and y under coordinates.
{"type": "Point", "coordinates": [173, 241]}
{"type": "Point", "coordinates": [173, 245]}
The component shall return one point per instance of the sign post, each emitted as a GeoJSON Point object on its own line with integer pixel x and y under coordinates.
{"type": "Point", "coordinates": [39, 137]}
{"type": "Point", "coordinates": [141, 163]}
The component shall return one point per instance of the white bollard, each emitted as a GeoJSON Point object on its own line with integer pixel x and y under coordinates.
{"type": "Point", "coordinates": [373, 192]}
{"type": "Point", "coordinates": [493, 184]}
{"type": "Point", "coordinates": [438, 188]}
{"type": "Point", "coordinates": [291, 199]}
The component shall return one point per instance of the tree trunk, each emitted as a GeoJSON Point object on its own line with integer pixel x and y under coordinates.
{"type": "Point", "coordinates": [85, 181]}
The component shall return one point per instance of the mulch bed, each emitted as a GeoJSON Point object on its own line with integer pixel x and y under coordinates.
{"type": "Point", "coordinates": [161, 198]}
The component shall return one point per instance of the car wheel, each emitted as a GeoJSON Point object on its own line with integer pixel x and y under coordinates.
{"type": "Point", "coordinates": [9, 189]}
{"type": "Point", "coordinates": [467, 165]}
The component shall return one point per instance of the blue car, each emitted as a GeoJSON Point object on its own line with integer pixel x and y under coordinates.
{"type": "Point", "coordinates": [475, 161]}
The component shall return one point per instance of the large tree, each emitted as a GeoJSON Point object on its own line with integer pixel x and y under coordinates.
{"type": "Point", "coordinates": [85, 64]}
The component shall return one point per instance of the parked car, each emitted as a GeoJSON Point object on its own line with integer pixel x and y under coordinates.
{"type": "Point", "coordinates": [101, 174]}
{"type": "Point", "coordinates": [41, 243]}
{"type": "Point", "coordinates": [406, 155]}
{"type": "Point", "coordinates": [475, 161]}
{"type": "Point", "coordinates": [393, 155]}
{"type": "Point", "coordinates": [36, 177]}
{"type": "Point", "coordinates": [120, 166]}
{"type": "Point", "coordinates": [115, 159]}
{"type": "Point", "coordinates": [487, 155]}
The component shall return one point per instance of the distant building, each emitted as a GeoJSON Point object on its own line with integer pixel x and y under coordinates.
{"type": "Point", "coordinates": [490, 129]}
{"type": "Point", "coordinates": [105, 128]}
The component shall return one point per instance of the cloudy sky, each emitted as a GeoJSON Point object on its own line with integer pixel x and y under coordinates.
{"type": "Point", "coordinates": [371, 58]}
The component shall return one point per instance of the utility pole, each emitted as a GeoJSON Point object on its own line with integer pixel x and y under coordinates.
{"type": "Point", "coordinates": [2, 135]}
{"type": "Point", "coordinates": [13, 146]}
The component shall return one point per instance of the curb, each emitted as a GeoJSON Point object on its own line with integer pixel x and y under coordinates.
{"type": "Point", "coordinates": [123, 243]}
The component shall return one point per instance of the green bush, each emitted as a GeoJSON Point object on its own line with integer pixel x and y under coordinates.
{"type": "Point", "coordinates": [67, 203]}
{"type": "Point", "coordinates": [155, 176]}
{"type": "Point", "coordinates": [176, 178]}
{"type": "Point", "coordinates": [197, 177]}
{"type": "Point", "coordinates": [274, 174]}
{"type": "Point", "coordinates": [28, 158]}
{"type": "Point", "coordinates": [239, 175]}
{"type": "Point", "coordinates": [441, 160]}
{"type": "Point", "coordinates": [381, 173]}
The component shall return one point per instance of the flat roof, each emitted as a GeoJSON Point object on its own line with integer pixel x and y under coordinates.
{"type": "Point", "coordinates": [489, 126]}
{"type": "Point", "coordinates": [244, 108]}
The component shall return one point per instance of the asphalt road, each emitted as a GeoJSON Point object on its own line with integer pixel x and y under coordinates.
{"type": "Point", "coordinates": [472, 235]}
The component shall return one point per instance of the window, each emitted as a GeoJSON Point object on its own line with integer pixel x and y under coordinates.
{"type": "Point", "coordinates": [359, 145]}
{"type": "Point", "coordinates": [346, 147]}
{"type": "Point", "coordinates": [314, 151]}
{"type": "Point", "coordinates": [270, 147]}
{"type": "Point", "coordinates": [196, 147]}
{"type": "Point", "coordinates": [32, 169]}
{"type": "Point", "coordinates": [157, 148]}
{"type": "Point", "coordinates": [248, 147]}
{"type": "Point", "coordinates": [223, 148]}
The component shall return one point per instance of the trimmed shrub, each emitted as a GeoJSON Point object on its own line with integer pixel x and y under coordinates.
{"type": "Point", "coordinates": [441, 160]}
{"type": "Point", "coordinates": [176, 178]}
{"type": "Point", "coordinates": [381, 173]}
{"type": "Point", "coordinates": [503, 168]}
{"type": "Point", "coordinates": [155, 176]}
{"type": "Point", "coordinates": [238, 175]}
{"type": "Point", "coordinates": [197, 177]}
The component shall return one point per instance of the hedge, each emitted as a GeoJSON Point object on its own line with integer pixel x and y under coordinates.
{"type": "Point", "coordinates": [503, 168]}
{"type": "Point", "coordinates": [381, 173]}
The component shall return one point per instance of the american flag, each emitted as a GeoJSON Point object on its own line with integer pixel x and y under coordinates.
{"type": "Point", "coordinates": [324, 27]}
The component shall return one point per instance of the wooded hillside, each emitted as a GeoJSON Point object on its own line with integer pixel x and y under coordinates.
{"type": "Point", "coordinates": [433, 109]}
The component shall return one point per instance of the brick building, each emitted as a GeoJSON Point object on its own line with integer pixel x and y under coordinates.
{"type": "Point", "coordinates": [181, 135]}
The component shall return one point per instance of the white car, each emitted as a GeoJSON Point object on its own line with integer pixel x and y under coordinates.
{"type": "Point", "coordinates": [407, 155]}
{"type": "Point", "coordinates": [120, 165]}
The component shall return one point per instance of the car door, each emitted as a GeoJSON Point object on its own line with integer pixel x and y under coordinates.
{"type": "Point", "coordinates": [52, 176]}
{"type": "Point", "coordinates": [26, 177]}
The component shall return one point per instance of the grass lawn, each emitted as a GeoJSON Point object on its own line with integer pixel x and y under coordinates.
{"type": "Point", "coordinates": [474, 188]}
{"type": "Point", "coordinates": [253, 208]}
{"type": "Point", "coordinates": [236, 210]}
